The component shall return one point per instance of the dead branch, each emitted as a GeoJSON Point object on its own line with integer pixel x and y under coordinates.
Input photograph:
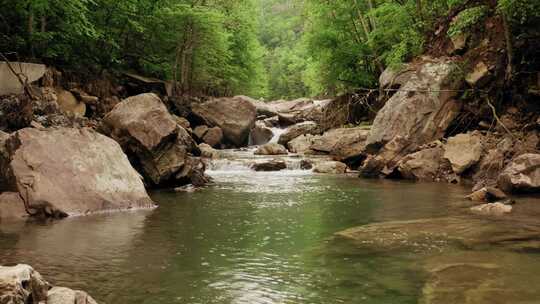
{"type": "Point", "coordinates": [494, 111]}
{"type": "Point", "coordinates": [20, 75]}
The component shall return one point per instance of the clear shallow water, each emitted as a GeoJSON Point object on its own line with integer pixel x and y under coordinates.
{"type": "Point", "coordinates": [251, 238]}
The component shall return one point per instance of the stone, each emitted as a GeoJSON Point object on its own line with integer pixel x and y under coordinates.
{"type": "Point", "coordinates": [182, 121]}
{"type": "Point", "coordinates": [487, 194]}
{"type": "Point", "coordinates": [489, 169]}
{"type": "Point", "coordinates": [235, 116]}
{"type": "Point", "coordinates": [260, 134]}
{"type": "Point", "coordinates": [423, 165]}
{"type": "Point", "coordinates": [21, 284]}
{"type": "Point", "coordinates": [344, 143]}
{"type": "Point", "coordinates": [459, 42]}
{"type": "Point", "coordinates": [208, 152]}
{"type": "Point", "coordinates": [521, 175]}
{"type": "Point", "coordinates": [420, 112]}
{"type": "Point", "coordinates": [63, 295]}
{"type": "Point", "coordinates": [434, 235]}
{"type": "Point", "coordinates": [492, 209]}
{"type": "Point", "coordinates": [213, 137]}
{"type": "Point", "coordinates": [301, 144]}
{"type": "Point", "coordinates": [150, 136]}
{"type": "Point", "coordinates": [306, 164]}
{"type": "Point", "coordinates": [63, 171]}
{"type": "Point", "coordinates": [330, 167]}
{"type": "Point", "coordinates": [200, 131]}
{"type": "Point", "coordinates": [12, 206]}
{"type": "Point", "coordinates": [303, 128]}
{"type": "Point", "coordinates": [463, 151]}
{"type": "Point", "coordinates": [69, 104]}
{"type": "Point", "coordinates": [271, 149]}
{"type": "Point", "coordinates": [394, 78]}
{"type": "Point", "coordinates": [272, 165]}
{"type": "Point", "coordinates": [272, 122]}
{"type": "Point", "coordinates": [10, 84]}
{"type": "Point", "coordinates": [478, 75]}
{"type": "Point", "coordinates": [387, 160]}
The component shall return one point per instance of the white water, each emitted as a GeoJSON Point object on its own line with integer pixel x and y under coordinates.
{"type": "Point", "coordinates": [277, 133]}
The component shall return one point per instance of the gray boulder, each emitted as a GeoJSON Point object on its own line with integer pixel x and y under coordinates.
{"type": "Point", "coordinates": [152, 138]}
{"type": "Point", "coordinates": [423, 109]}
{"type": "Point", "coordinates": [463, 151]}
{"type": "Point", "coordinates": [63, 171]}
{"type": "Point", "coordinates": [235, 116]}
{"type": "Point", "coordinates": [271, 149]}
{"type": "Point", "coordinates": [292, 132]}
{"type": "Point", "coordinates": [522, 174]}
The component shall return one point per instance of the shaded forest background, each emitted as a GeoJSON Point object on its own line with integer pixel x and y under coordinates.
{"type": "Point", "coordinates": [268, 49]}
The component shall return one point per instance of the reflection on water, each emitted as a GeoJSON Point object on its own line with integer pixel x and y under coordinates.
{"type": "Point", "coordinates": [251, 238]}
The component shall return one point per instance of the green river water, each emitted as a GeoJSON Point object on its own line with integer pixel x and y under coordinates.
{"type": "Point", "coordinates": [250, 238]}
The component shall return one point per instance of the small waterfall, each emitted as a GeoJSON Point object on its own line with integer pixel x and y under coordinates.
{"type": "Point", "coordinates": [277, 133]}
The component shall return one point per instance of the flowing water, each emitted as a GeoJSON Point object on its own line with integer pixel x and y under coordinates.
{"type": "Point", "coordinates": [249, 238]}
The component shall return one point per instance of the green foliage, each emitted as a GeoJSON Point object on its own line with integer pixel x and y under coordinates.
{"type": "Point", "coordinates": [520, 11]}
{"type": "Point", "coordinates": [467, 19]}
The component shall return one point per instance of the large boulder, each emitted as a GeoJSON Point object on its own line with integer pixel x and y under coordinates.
{"type": "Point", "coordinates": [63, 295]}
{"type": "Point", "coordinates": [63, 171]}
{"type": "Point", "coordinates": [235, 116]}
{"type": "Point", "coordinates": [271, 149]}
{"type": "Point", "coordinates": [213, 137]}
{"type": "Point", "coordinates": [292, 132]}
{"type": "Point", "coordinates": [522, 174]}
{"type": "Point", "coordinates": [149, 134]}
{"type": "Point", "coordinates": [301, 144]}
{"type": "Point", "coordinates": [463, 151]}
{"type": "Point", "coordinates": [271, 165]}
{"type": "Point", "coordinates": [344, 143]}
{"type": "Point", "coordinates": [424, 107]}
{"type": "Point", "coordinates": [423, 165]}
{"type": "Point", "coordinates": [21, 284]}
{"type": "Point", "coordinates": [261, 134]}
{"type": "Point", "coordinates": [69, 104]}
{"type": "Point", "coordinates": [12, 206]}
{"type": "Point", "coordinates": [330, 167]}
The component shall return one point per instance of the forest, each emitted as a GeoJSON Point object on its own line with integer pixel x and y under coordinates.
{"type": "Point", "coordinates": [269, 151]}
{"type": "Point", "coordinates": [267, 49]}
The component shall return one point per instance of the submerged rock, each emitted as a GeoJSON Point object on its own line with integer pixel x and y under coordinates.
{"type": "Point", "coordinates": [495, 209]}
{"type": "Point", "coordinates": [435, 234]}
{"type": "Point", "coordinates": [159, 147]}
{"type": "Point", "coordinates": [63, 295]}
{"type": "Point", "coordinates": [63, 171]}
{"type": "Point", "coordinates": [522, 174]}
{"type": "Point", "coordinates": [271, 149]}
{"type": "Point", "coordinates": [487, 194]}
{"type": "Point", "coordinates": [235, 116]}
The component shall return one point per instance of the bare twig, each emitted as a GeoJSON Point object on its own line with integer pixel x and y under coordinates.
{"type": "Point", "coordinates": [494, 111]}
{"type": "Point", "coordinates": [20, 76]}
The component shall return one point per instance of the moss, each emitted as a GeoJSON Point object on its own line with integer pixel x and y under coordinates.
{"type": "Point", "coordinates": [466, 19]}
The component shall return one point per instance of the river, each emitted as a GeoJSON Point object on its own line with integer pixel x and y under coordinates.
{"type": "Point", "coordinates": [250, 238]}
